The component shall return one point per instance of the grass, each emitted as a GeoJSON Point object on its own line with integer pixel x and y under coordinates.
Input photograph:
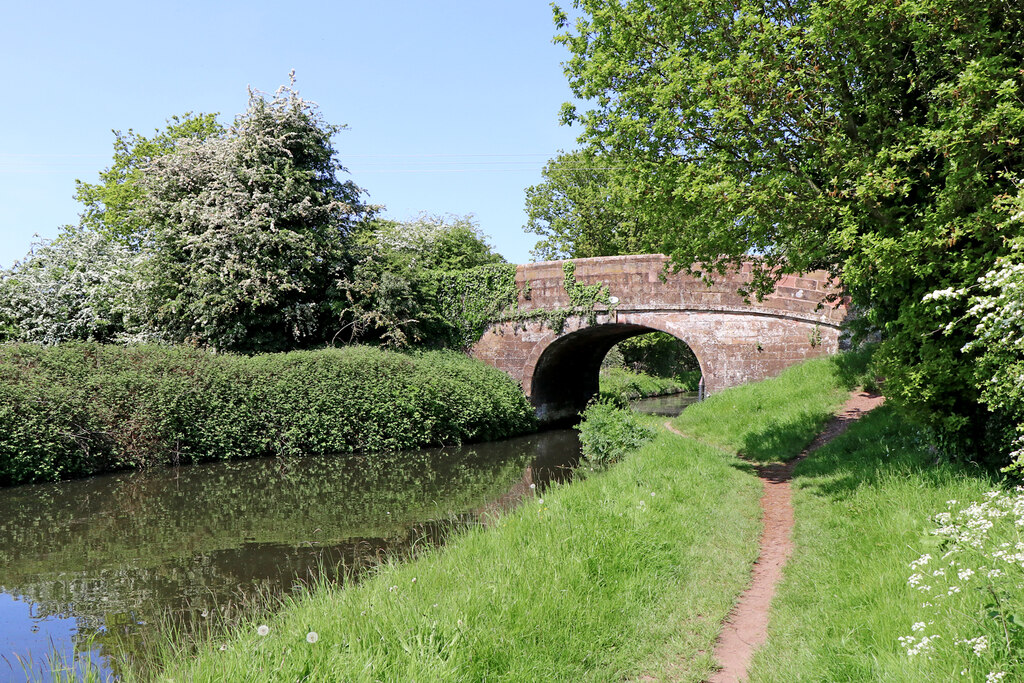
{"type": "Point", "coordinates": [862, 507]}
{"type": "Point", "coordinates": [775, 419]}
{"type": "Point", "coordinates": [627, 572]}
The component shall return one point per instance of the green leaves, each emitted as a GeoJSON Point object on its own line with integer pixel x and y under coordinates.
{"type": "Point", "coordinates": [420, 282]}
{"type": "Point", "coordinates": [608, 433]}
{"type": "Point", "coordinates": [111, 205]}
{"type": "Point", "coordinates": [870, 139]}
{"type": "Point", "coordinates": [76, 409]}
{"type": "Point", "coordinates": [246, 231]}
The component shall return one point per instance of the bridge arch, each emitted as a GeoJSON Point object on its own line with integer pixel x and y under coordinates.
{"type": "Point", "coordinates": [735, 340]}
{"type": "Point", "coordinates": [565, 374]}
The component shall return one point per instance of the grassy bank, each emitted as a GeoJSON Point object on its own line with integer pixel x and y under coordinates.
{"type": "Point", "coordinates": [777, 418]}
{"type": "Point", "coordinates": [863, 505]}
{"type": "Point", "coordinates": [629, 571]}
{"type": "Point", "coordinates": [622, 385]}
{"type": "Point", "coordinates": [78, 409]}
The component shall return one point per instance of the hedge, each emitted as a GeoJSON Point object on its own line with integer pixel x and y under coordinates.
{"type": "Point", "coordinates": [78, 409]}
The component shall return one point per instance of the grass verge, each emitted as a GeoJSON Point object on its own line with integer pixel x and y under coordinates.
{"type": "Point", "coordinates": [628, 571]}
{"type": "Point", "coordinates": [862, 507]}
{"type": "Point", "coordinates": [775, 419]}
{"type": "Point", "coordinates": [622, 386]}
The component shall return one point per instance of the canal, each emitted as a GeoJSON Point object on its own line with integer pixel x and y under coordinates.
{"type": "Point", "coordinates": [93, 568]}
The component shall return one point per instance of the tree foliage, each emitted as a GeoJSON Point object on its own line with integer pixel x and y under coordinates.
{"type": "Point", "coordinates": [70, 288]}
{"type": "Point", "coordinates": [658, 354]}
{"type": "Point", "coordinates": [246, 231]}
{"type": "Point", "coordinates": [585, 207]}
{"type": "Point", "coordinates": [391, 293]}
{"type": "Point", "coordinates": [872, 139]}
{"type": "Point", "coordinates": [994, 325]}
{"type": "Point", "coordinates": [110, 206]}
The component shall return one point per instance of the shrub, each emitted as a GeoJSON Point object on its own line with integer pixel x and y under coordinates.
{"type": "Point", "coordinates": [970, 618]}
{"type": "Point", "coordinates": [609, 432]}
{"type": "Point", "coordinates": [82, 408]}
{"type": "Point", "coordinates": [66, 289]}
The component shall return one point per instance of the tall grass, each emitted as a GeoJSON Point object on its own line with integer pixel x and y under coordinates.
{"type": "Point", "coordinates": [627, 572]}
{"type": "Point", "coordinates": [622, 386]}
{"type": "Point", "coordinates": [862, 507]}
{"type": "Point", "coordinates": [777, 418]}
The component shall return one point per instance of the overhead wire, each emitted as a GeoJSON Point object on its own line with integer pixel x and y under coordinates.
{"type": "Point", "coordinates": [11, 162]}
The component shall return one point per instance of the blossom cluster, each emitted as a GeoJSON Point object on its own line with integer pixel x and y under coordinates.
{"type": "Point", "coordinates": [972, 588]}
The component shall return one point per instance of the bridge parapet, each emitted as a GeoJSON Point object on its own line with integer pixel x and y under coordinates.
{"type": "Point", "coordinates": [642, 283]}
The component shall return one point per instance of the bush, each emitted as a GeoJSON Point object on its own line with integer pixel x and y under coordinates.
{"type": "Point", "coordinates": [609, 432]}
{"type": "Point", "coordinates": [70, 288]}
{"type": "Point", "coordinates": [82, 408]}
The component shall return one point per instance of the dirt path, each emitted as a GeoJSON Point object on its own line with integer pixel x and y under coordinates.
{"type": "Point", "coordinates": [746, 629]}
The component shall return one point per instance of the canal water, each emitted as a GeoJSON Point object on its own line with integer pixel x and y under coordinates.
{"type": "Point", "coordinates": [90, 568]}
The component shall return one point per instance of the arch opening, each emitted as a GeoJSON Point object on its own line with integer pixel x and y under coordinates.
{"type": "Point", "coordinates": [567, 374]}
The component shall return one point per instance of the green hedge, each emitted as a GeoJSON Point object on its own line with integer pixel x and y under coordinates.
{"type": "Point", "coordinates": [78, 409]}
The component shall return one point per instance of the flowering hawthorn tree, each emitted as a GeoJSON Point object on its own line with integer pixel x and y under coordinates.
{"type": "Point", "coordinates": [246, 231]}
{"type": "Point", "coordinates": [67, 289]}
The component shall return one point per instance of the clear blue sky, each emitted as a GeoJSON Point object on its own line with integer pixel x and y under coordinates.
{"type": "Point", "coordinates": [452, 105]}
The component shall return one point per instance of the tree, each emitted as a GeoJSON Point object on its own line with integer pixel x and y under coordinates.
{"type": "Point", "coordinates": [110, 205]}
{"type": "Point", "coordinates": [70, 288]}
{"type": "Point", "coordinates": [391, 293]}
{"type": "Point", "coordinates": [585, 207]}
{"type": "Point", "coordinates": [245, 232]}
{"type": "Point", "coordinates": [994, 325]}
{"type": "Point", "coordinates": [872, 139]}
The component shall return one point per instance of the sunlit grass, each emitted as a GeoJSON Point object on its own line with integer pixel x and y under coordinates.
{"type": "Point", "coordinates": [625, 572]}
{"type": "Point", "coordinates": [626, 385]}
{"type": "Point", "coordinates": [862, 515]}
{"type": "Point", "coordinates": [628, 571]}
{"type": "Point", "coordinates": [777, 418]}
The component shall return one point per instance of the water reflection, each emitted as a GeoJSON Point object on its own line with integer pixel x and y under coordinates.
{"type": "Point", "coordinates": [666, 406]}
{"type": "Point", "coordinates": [101, 560]}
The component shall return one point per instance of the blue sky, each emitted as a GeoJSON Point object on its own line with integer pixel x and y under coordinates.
{"type": "Point", "coordinates": [452, 106]}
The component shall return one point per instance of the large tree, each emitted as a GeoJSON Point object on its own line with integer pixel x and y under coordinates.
{"type": "Point", "coordinates": [246, 231]}
{"type": "Point", "coordinates": [871, 138]}
{"type": "Point", "coordinates": [110, 205]}
{"type": "Point", "coordinates": [390, 293]}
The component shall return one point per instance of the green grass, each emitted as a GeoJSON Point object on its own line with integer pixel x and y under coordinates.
{"type": "Point", "coordinates": [622, 385]}
{"type": "Point", "coordinates": [862, 507]}
{"type": "Point", "coordinates": [777, 418]}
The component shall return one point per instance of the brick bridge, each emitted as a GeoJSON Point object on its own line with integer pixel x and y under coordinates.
{"type": "Point", "coordinates": [735, 342]}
